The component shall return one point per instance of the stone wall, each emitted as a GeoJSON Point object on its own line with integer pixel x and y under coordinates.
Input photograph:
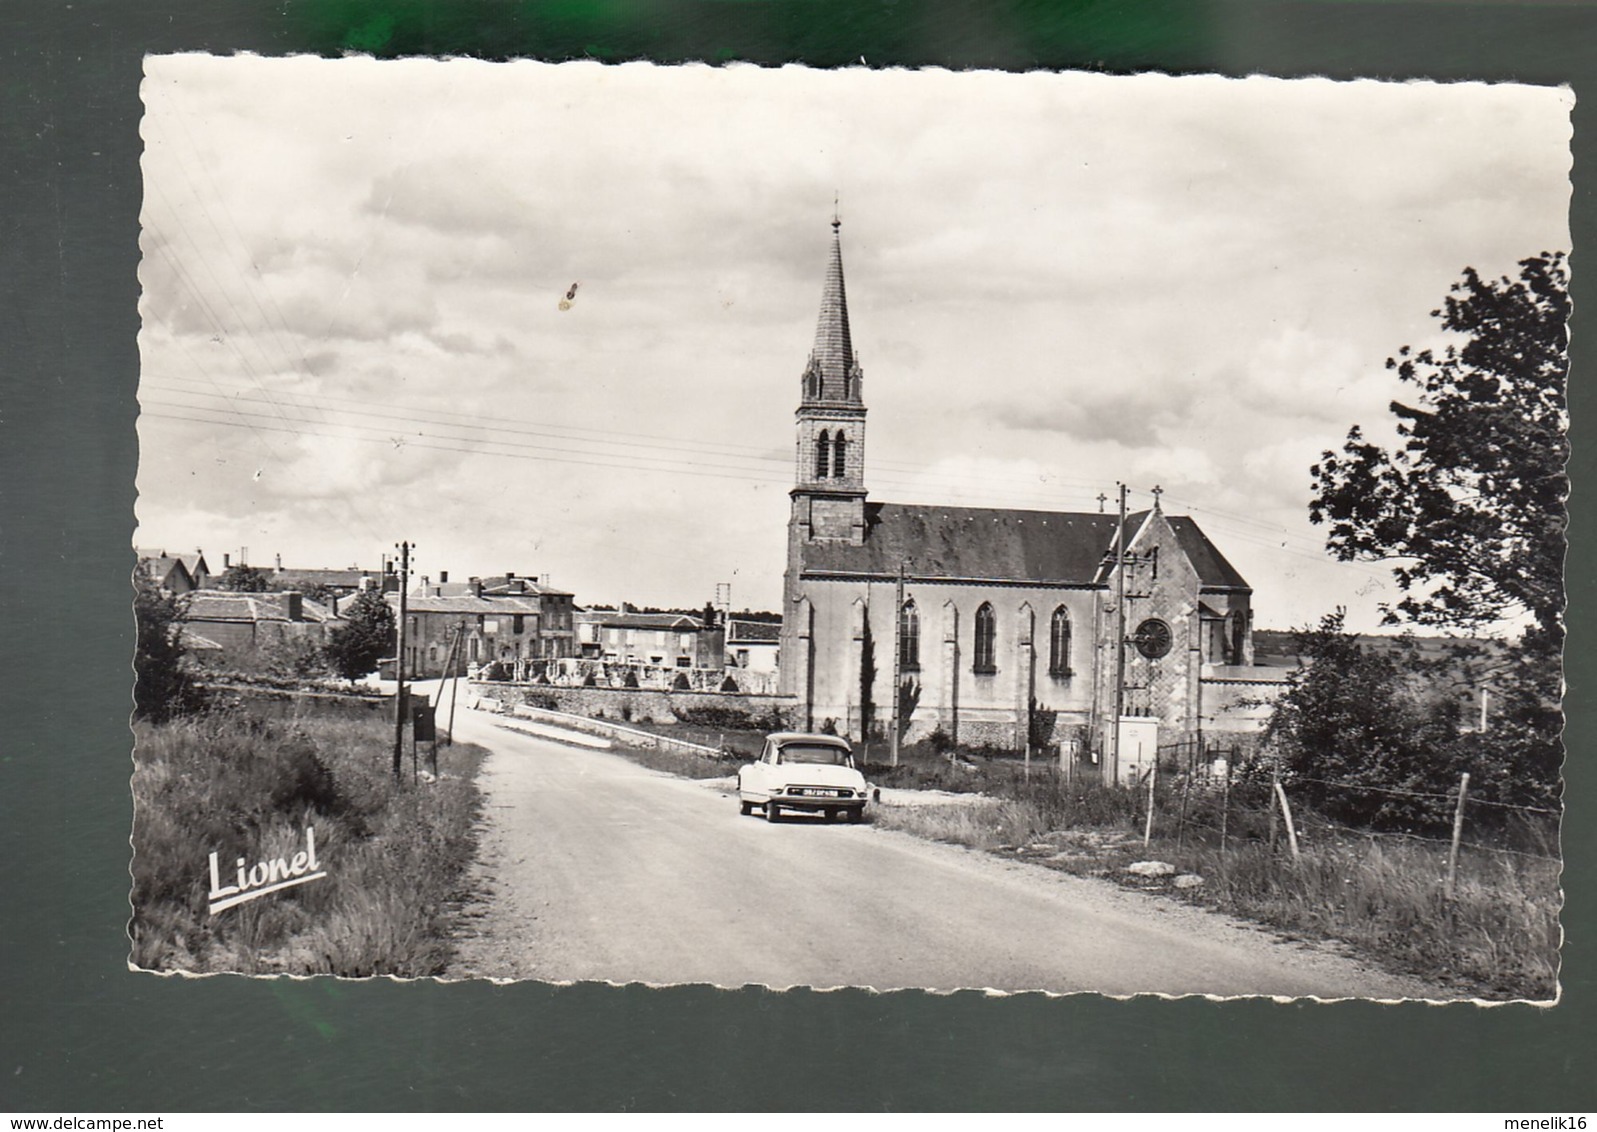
{"type": "Point", "coordinates": [645, 705]}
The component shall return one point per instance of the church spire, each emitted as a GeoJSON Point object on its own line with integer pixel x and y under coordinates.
{"type": "Point", "coordinates": [833, 372]}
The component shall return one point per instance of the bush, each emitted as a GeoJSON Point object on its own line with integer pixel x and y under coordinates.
{"type": "Point", "coordinates": [164, 686]}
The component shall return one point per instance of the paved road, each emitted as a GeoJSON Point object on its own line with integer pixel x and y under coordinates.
{"type": "Point", "coordinates": [598, 869]}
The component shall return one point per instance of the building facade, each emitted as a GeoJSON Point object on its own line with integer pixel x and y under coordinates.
{"type": "Point", "coordinates": [663, 640]}
{"type": "Point", "coordinates": [1008, 629]}
{"type": "Point", "coordinates": [509, 619]}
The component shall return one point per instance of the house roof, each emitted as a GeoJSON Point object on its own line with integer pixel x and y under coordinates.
{"type": "Point", "coordinates": [349, 576]}
{"type": "Point", "coordinates": [467, 603]}
{"type": "Point", "coordinates": [1065, 548]}
{"type": "Point", "coordinates": [225, 605]}
{"type": "Point", "coordinates": [753, 632]}
{"type": "Point", "coordinates": [193, 563]}
{"type": "Point", "coordinates": [159, 567]}
{"type": "Point", "coordinates": [500, 584]}
{"type": "Point", "coordinates": [681, 622]}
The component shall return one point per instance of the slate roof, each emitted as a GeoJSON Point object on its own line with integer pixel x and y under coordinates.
{"type": "Point", "coordinates": [498, 584]}
{"type": "Point", "coordinates": [348, 577]}
{"type": "Point", "coordinates": [225, 605]}
{"type": "Point", "coordinates": [467, 603]}
{"type": "Point", "coordinates": [833, 352]}
{"type": "Point", "coordinates": [159, 567]}
{"type": "Point", "coordinates": [1064, 548]}
{"type": "Point", "coordinates": [753, 632]}
{"type": "Point", "coordinates": [681, 622]}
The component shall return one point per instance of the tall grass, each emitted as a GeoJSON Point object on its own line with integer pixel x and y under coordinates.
{"type": "Point", "coordinates": [245, 786]}
{"type": "Point", "coordinates": [1497, 938]}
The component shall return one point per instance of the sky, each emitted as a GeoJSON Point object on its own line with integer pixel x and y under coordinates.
{"type": "Point", "coordinates": [353, 273]}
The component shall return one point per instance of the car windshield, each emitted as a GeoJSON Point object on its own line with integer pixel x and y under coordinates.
{"type": "Point", "coordinates": [813, 753]}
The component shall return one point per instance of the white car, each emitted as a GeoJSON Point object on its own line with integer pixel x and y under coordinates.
{"type": "Point", "coordinates": [808, 773]}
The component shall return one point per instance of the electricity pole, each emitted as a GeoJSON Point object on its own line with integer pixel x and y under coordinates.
{"type": "Point", "coordinates": [1120, 636]}
{"type": "Point", "coordinates": [898, 663]}
{"type": "Point", "coordinates": [399, 663]}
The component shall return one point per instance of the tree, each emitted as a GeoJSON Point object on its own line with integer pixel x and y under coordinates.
{"type": "Point", "coordinates": [1470, 507]}
{"type": "Point", "coordinates": [1372, 720]}
{"type": "Point", "coordinates": [367, 636]}
{"type": "Point", "coordinates": [244, 580]}
{"type": "Point", "coordinates": [162, 687]}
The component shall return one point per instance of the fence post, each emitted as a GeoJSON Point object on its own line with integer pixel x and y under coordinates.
{"type": "Point", "coordinates": [1286, 812]}
{"type": "Point", "coordinates": [1186, 793]}
{"type": "Point", "coordinates": [1225, 806]}
{"type": "Point", "coordinates": [1458, 830]}
{"type": "Point", "coordinates": [1275, 821]}
{"type": "Point", "coordinates": [1153, 777]}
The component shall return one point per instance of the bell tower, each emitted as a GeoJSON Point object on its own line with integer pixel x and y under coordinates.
{"type": "Point", "coordinates": [829, 474]}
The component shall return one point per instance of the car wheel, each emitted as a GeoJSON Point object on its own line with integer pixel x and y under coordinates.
{"type": "Point", "coordinates": [772, 810]}
{"type": "Point", "coordinates": [745, 808]}
{"type": "Point", "coordinates": [831, 815]}
{"type": "Point", "coordinates": [854, 816]}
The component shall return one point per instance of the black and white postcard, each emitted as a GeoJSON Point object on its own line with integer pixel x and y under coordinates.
{"type": "Point", "coordinates": [862, 528]}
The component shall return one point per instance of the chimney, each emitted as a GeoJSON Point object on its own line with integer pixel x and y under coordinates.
{"type": "Point", "coordinates": [279, 559]}
{"type": "Point", "coordinates": [425, 582]}
{"type": "Point", "coordinates": [476, 587]}
{"type": "Point", "coordinates": [510, 575]}
{"type": "Point", "coordinates": [227, 560]}
{"type": "Point", "coordinates": [332, 602]}
{"type": "Point", "coordinates": [443, 577]}
{"type": "Point", "coordinates": [294, 605]}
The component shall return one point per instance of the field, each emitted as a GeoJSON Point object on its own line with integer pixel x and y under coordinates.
{"type": "Point", "coordinates": [247, 781]}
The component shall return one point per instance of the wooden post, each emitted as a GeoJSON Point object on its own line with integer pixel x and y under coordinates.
{"type": "Point", "coordinates": [1225, 806]}
{"type": "Point", "coordinates": [1153, 778]}
{"type": "Point", "coordinates": [1286, 813]}
{"type": "Point", "coordinates": [1458, 830]}
{"type": "Point", "coordinates": [1275, 784]}
{"type": "Point", "coordinates": [1186, 793]}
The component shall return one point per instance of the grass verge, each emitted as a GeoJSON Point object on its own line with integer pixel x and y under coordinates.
{"type": "Point", "coordinates": [1497, 939]}
{"type": "Point", "coordinates": [246, 786]}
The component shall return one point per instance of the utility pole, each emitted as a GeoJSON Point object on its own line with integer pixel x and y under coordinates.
{"type": "Point", "coordinates": [1120, 635]}
{"type": "Point", "coordinates": [399, 663]}
{"type": "Point", "coordinates": [898, 663]}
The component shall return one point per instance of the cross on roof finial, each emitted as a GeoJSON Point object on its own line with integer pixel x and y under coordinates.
{"type": "Point", "coordinates": [1102, 499]}
{"type": "Point", "coordinates": [1157, 492]}
{"type": "Point", "coordinates": [837, 220]}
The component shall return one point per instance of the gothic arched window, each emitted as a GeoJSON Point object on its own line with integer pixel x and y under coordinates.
{"type": "Point", "coordinates": [1059, 643]}
{"type": "Point", "coordinates": [986, 633]}
{"type": "Point", "coordinates": [909, 637]}
{"type": "Point", "coordinates": [839, 455]}
{"type": "Point", "coordinates": [823, 449]}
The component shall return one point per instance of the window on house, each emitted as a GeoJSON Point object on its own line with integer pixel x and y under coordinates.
{"type": "Point", "coordinates": [519, 623]}
{"type": "Point", "coordinates": [1059, 643]}
{"type": "Point", "coordinates": [986, 636]}
{"type": "Point", "coordinates": [822, 450]}
{"type": "Point", "coordinates": [1238, 637]}
{"type": "Point", "coordinates": [476, 648]}
{"type": "Point", "coordinates": [839, 455]}
{"type": "Point", "coordinates": [743, 658]}
{"type": "Point", "coordinates": [909, 637]}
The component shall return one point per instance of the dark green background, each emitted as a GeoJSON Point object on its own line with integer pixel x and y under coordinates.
{"type": "Point", "coordinates": [79, 1032]}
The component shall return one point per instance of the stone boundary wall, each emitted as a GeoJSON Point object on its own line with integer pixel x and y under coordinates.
{"type": "Point", "coordinates": [603, 728]}
{"type": "Point", "coordinates": [647, 705]}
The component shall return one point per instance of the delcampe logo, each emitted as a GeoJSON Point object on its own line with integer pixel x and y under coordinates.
{"type": "Point", "coordinates": [265, 877]}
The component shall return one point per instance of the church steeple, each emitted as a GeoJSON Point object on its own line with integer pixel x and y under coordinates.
{"type": "Point", "coordinates": [833, 373]}
{"type": "Point", "coordinates": [829, 478]}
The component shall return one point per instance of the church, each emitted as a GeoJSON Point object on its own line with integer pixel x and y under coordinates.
{"type": "Point", "coordinates": [1014, 630]}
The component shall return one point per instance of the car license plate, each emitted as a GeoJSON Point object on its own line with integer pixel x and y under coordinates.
{"type": "Point", "coordinates": [814, 792]}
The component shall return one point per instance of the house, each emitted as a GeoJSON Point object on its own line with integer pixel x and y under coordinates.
{"type": "Point", "coordinates": [668, 640]}
{"type": "Point", "coordinates": [175, 573]}
{"type": "Point", "coordinates": [236, 629]}
{"type": "Point", "coordinates": [1016, 629]}
{"type": "Point", "coordinates": [753, 645]}
{"type": "Point", "coordinates": [506, 618]}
